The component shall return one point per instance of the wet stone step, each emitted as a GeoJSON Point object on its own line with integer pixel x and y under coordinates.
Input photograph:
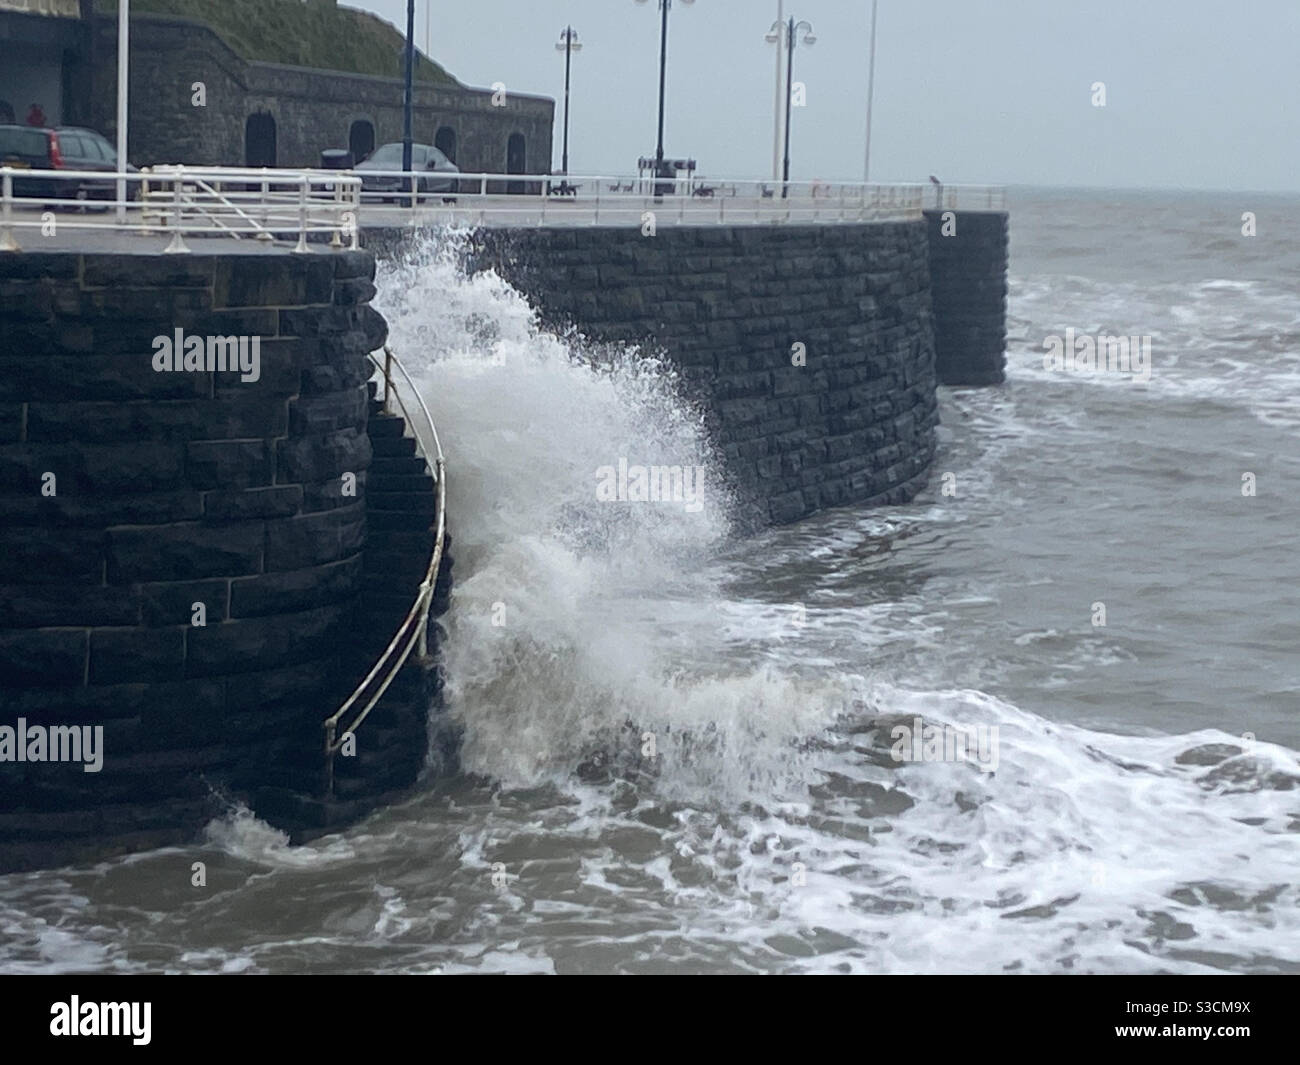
{"type": "Point", "coordinates": [391, 482]}
{"type": "Point", "coordinates": [386, 425]}
{"type": "Point", "coordinates": [393, 446]}
{"type": "Point", "coordinates": [383, 520]}
{"type": "Point", "coordinates": [407, 502]}
{"type": "Point", "coordinates": [398, 467]}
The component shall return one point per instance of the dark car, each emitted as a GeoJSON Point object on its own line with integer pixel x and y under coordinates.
{"type": "Point", "coordinates": [66, 148]}
{"type": "Point", "coordinates": [424, 157]}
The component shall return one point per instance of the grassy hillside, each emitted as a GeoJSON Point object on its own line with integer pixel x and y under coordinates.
{"type": "Point", "coordinates": [300, 34]}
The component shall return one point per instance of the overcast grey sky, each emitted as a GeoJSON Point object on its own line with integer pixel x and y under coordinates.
{"type": "Point", "coordinates": [1199, 93]}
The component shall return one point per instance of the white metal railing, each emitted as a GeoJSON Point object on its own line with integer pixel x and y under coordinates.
{"type": "Point", "coordinates": [612, 199]}
{"type": "Point", "coordinates": [182, 201]}
{"type": "Point", "coordinates": [412, 634]}
{"type": "Point", "coordinates": [270, 204]}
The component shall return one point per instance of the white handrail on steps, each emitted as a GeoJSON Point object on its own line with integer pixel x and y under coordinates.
{"type": "Point", "coordinates": [412, 634]}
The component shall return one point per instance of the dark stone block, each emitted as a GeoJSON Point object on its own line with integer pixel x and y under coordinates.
{"type": "Point", "coordinates": [323, 456]}
{"type": "Point", "coordinates": [278, 501]}
{"type": "Point", "coordinates": [46, 557]}
{"type": "Point", "coordinates": [64, 605]}
{"type": "Point", "coordinates": [42, 658]}
{"type": "Point", "coordinates": [311, 540]}
{"type": "Point", "coordinates": [229, 463]}
{"type": "Point", "coordinates": [129, 656]}
{"type": "Point", "coordinates": [262, 643]}
{"type": "Point", "coordinates": [184, 552]}
{"type": "Point", "coordinates": [305, 589]}
{"type": "Point", "coordinates": [172, 602]}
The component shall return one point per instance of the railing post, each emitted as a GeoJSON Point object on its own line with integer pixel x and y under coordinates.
{"type": "Point", "coordinates": [336, 241]}
{"type": "Point", "coordinates": [266, 208]}
{"type": "Point", "coordinates": [388, 378]}
{"type": "Point", "coordinates": [7, 242]}
{"type": "Point", "coordinates": [177, 246]}
{"type": "Point", "coordinates": [144, 202]}
{"type": "Point", "coordinates": [303, 183]}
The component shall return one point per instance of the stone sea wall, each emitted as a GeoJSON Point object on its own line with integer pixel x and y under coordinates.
{"type": "Point", "coordinates": [811, 348]}
{"type": "Point", "coordinates": [182, 554]}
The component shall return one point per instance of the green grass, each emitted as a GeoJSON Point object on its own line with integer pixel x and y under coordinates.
{"type": "Point", "coordinates": [299, 34]}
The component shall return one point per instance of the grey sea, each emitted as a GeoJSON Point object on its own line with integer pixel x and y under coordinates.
{"type": "Point", "coordinates": [687, 751]}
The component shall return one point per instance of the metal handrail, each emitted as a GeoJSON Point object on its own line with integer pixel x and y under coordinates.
{"type": "Point", "coordinates": [412, 634]}
{"type": "Point", "coordinates": [188, 200]}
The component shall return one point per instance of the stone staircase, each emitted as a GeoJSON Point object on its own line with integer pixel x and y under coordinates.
{"type": "Point", "coordinates": [401, 500]}
{"type": "Point", "coordinates": [408, 727]}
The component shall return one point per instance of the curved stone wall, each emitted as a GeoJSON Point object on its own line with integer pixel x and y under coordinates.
{"type": "Point", "coordinates": [811, 347]}
{"type": "Point", "coordinates": [181, 552]}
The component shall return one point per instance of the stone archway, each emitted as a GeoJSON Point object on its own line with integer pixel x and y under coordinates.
{"type": "Point", "coordinates": [445, 141]}
{"type": "Point", "coordinates": [259, 140]}
{"type": "Point", "coordinates": [516, 162]}
{"type": "Point", "coordinates": [361, 139]}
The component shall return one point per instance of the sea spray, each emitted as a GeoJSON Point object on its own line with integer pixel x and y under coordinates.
{"type": "Point", "coordinates": [570, 616]}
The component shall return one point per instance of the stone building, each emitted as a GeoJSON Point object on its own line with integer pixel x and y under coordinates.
{"type": "Point", "coordinates": [252, 113]}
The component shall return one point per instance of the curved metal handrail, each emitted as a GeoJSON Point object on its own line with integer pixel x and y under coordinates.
{"type": "Point", "coordinates": [413, 632]}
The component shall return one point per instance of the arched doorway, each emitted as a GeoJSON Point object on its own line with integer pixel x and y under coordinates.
{"type": "Point", "coordinates": [516, 151]}
{"type": "Point", "coordinates": [259, 140]}
{"type": "Point", "coordinates": [445, 141]}
{"type": "Point", "coordinates": [361, 140]}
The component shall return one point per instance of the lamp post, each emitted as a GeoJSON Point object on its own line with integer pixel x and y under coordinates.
{"type": "Point", "coordinates": [408, 99]}
{"type": "Point", "coordinates": [664, 6]}
{"type": "Point", "coordinates": [568, 45]}
{"type": "Point", "coordinates": [776, 99]}
{"type": "Point", "coordinates": [871, 91]}
{"type": "Point", "coordinates": [790, 31]}
{"type": "Point", "coordinates": [123, 89]}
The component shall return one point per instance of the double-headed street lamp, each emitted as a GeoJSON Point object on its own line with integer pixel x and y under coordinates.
{"type": "Point", "coordinates": [568, 45]}
{"type": "Point", "coordinates": [664, 5]}
{"type": "Point", "coordinates": [790, 31]}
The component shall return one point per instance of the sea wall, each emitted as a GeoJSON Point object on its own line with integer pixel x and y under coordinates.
{"type": "Point", "coordinates": [181, 553]}
{"type": "Point", "coordinates": [811, 348]}
{"type": "Point", "coordinates": [968, 276]}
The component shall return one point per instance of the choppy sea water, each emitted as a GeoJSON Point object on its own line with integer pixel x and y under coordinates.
{"type": "Point", "coordinates": [1143, 814]}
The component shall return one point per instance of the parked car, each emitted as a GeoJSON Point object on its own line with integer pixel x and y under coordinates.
{"type": "Point", "coordinates": [66, 148]}
{"type": "Point", "coordinates": [424, 157]}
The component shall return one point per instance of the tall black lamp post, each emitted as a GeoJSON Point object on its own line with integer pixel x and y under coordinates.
{"type": "Point", "coordinates": [790, 32]}
{"type": "Point", "coordinates": [568, 45]}
{"type": "Point", "coordinates": [408, 100]}
{"type": "Point", "coordinates": [664, 6]}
